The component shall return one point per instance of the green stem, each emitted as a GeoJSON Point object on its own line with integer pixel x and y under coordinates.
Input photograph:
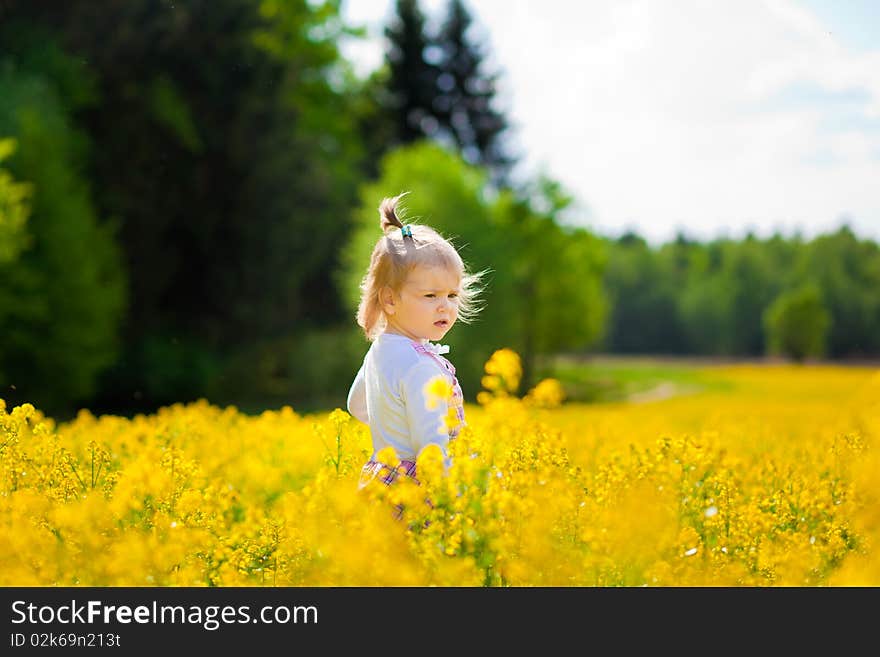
{"type": "Point", "coordinates": [73, 467]}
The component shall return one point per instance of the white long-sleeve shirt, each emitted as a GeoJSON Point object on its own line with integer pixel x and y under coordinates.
{"type": "Point", "coordinates": [388, 394]}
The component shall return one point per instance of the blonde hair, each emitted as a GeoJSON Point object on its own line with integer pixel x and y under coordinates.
{"type": "Point", "coordinates": [396, 254]}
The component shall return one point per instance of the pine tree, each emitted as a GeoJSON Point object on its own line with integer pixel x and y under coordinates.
{"type": "Point", "coordinates": [465, 94]}
{"type": "Point", "coordinates": [413, 81]}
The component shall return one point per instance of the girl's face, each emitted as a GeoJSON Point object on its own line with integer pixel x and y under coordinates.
{"type": "Point", "coordinates": [426, 306]}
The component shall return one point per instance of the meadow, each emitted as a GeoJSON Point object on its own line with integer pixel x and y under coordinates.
{"type": "Point", "coordinates": [730, 475]}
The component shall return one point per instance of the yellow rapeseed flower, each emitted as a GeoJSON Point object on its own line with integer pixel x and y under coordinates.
{"type": "Point", "coordinates": [769, 479]}
{"type": "Point", "coordinates": [547, 394]}
{"type": "Point", "coordinates": [436, 390]}
{"type": "Point", "coordinates": [388, 456]}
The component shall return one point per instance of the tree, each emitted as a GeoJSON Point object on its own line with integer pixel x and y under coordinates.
{"type": "Point", "coordinates": [63, 295]}
{"type": "Point", "coordinates": [225, 148]}
{"type": "Point", "coordinates": [748, 278]}
{"type": "Point", "coordinates": [412, 83]}
{"type": "Point", "coordinates": [555, 274]}
{"type": "Point", "coordinates": [438, 88]}
{"type": "Point", "coordinates": [466, 93]}
{"type": "Point", "coordinates": [377, 128]}
{"type": "Point", "coordinates": [847, 271]}
{"type": "Point", "coordinates": [638, 288]}
{"type": "Point", "coordinates": [797, 323]}
{"type": "Point", "coordinates": [14, 209]}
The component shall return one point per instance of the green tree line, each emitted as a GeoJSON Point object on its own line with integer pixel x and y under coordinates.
{"type": "Point", "coordinates": [741, 297]}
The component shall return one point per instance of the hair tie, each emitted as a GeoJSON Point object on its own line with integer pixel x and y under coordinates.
{"type": "Point", "coordinates": [406, 231]}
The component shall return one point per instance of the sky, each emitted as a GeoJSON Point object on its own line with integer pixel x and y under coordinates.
{"type": "Point", "coordinates": [709, 117]}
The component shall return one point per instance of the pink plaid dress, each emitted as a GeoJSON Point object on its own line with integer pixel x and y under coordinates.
{"type": "Point", "coordinates": [407, 468]}
{"type": "Point", "coordinates": [457, 400]}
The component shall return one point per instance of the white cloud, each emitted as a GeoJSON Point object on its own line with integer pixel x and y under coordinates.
{"type": "Point", "coordinates": [662, 115]}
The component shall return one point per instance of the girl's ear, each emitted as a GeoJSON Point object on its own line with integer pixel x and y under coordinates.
{"type": "Point", "coordinates": [386, 298]}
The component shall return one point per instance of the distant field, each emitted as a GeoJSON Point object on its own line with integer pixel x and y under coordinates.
{"type": "Point", "coordinates": [609, 378]}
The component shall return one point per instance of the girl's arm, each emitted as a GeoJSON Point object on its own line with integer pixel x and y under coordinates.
{"type": "Point", "coordinates": [357, 397]}
{"type": "Point", "coordinates": [426, 424]}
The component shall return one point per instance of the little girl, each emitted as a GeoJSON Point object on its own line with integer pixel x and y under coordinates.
{"type": "Point", "coordinates": [415, 289]}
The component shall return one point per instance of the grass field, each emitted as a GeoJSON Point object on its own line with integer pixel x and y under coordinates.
{"type": "Point", "coordinates": [609, 378]}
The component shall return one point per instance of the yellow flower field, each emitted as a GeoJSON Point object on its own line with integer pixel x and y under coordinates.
{"type": "Point", "coordinates": [771, 479]}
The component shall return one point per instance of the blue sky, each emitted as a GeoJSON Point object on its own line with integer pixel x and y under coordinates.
{"type": "Point", "coordinates": [714, 117]}
{"type": "Point", "coordinates": [855, 22]}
